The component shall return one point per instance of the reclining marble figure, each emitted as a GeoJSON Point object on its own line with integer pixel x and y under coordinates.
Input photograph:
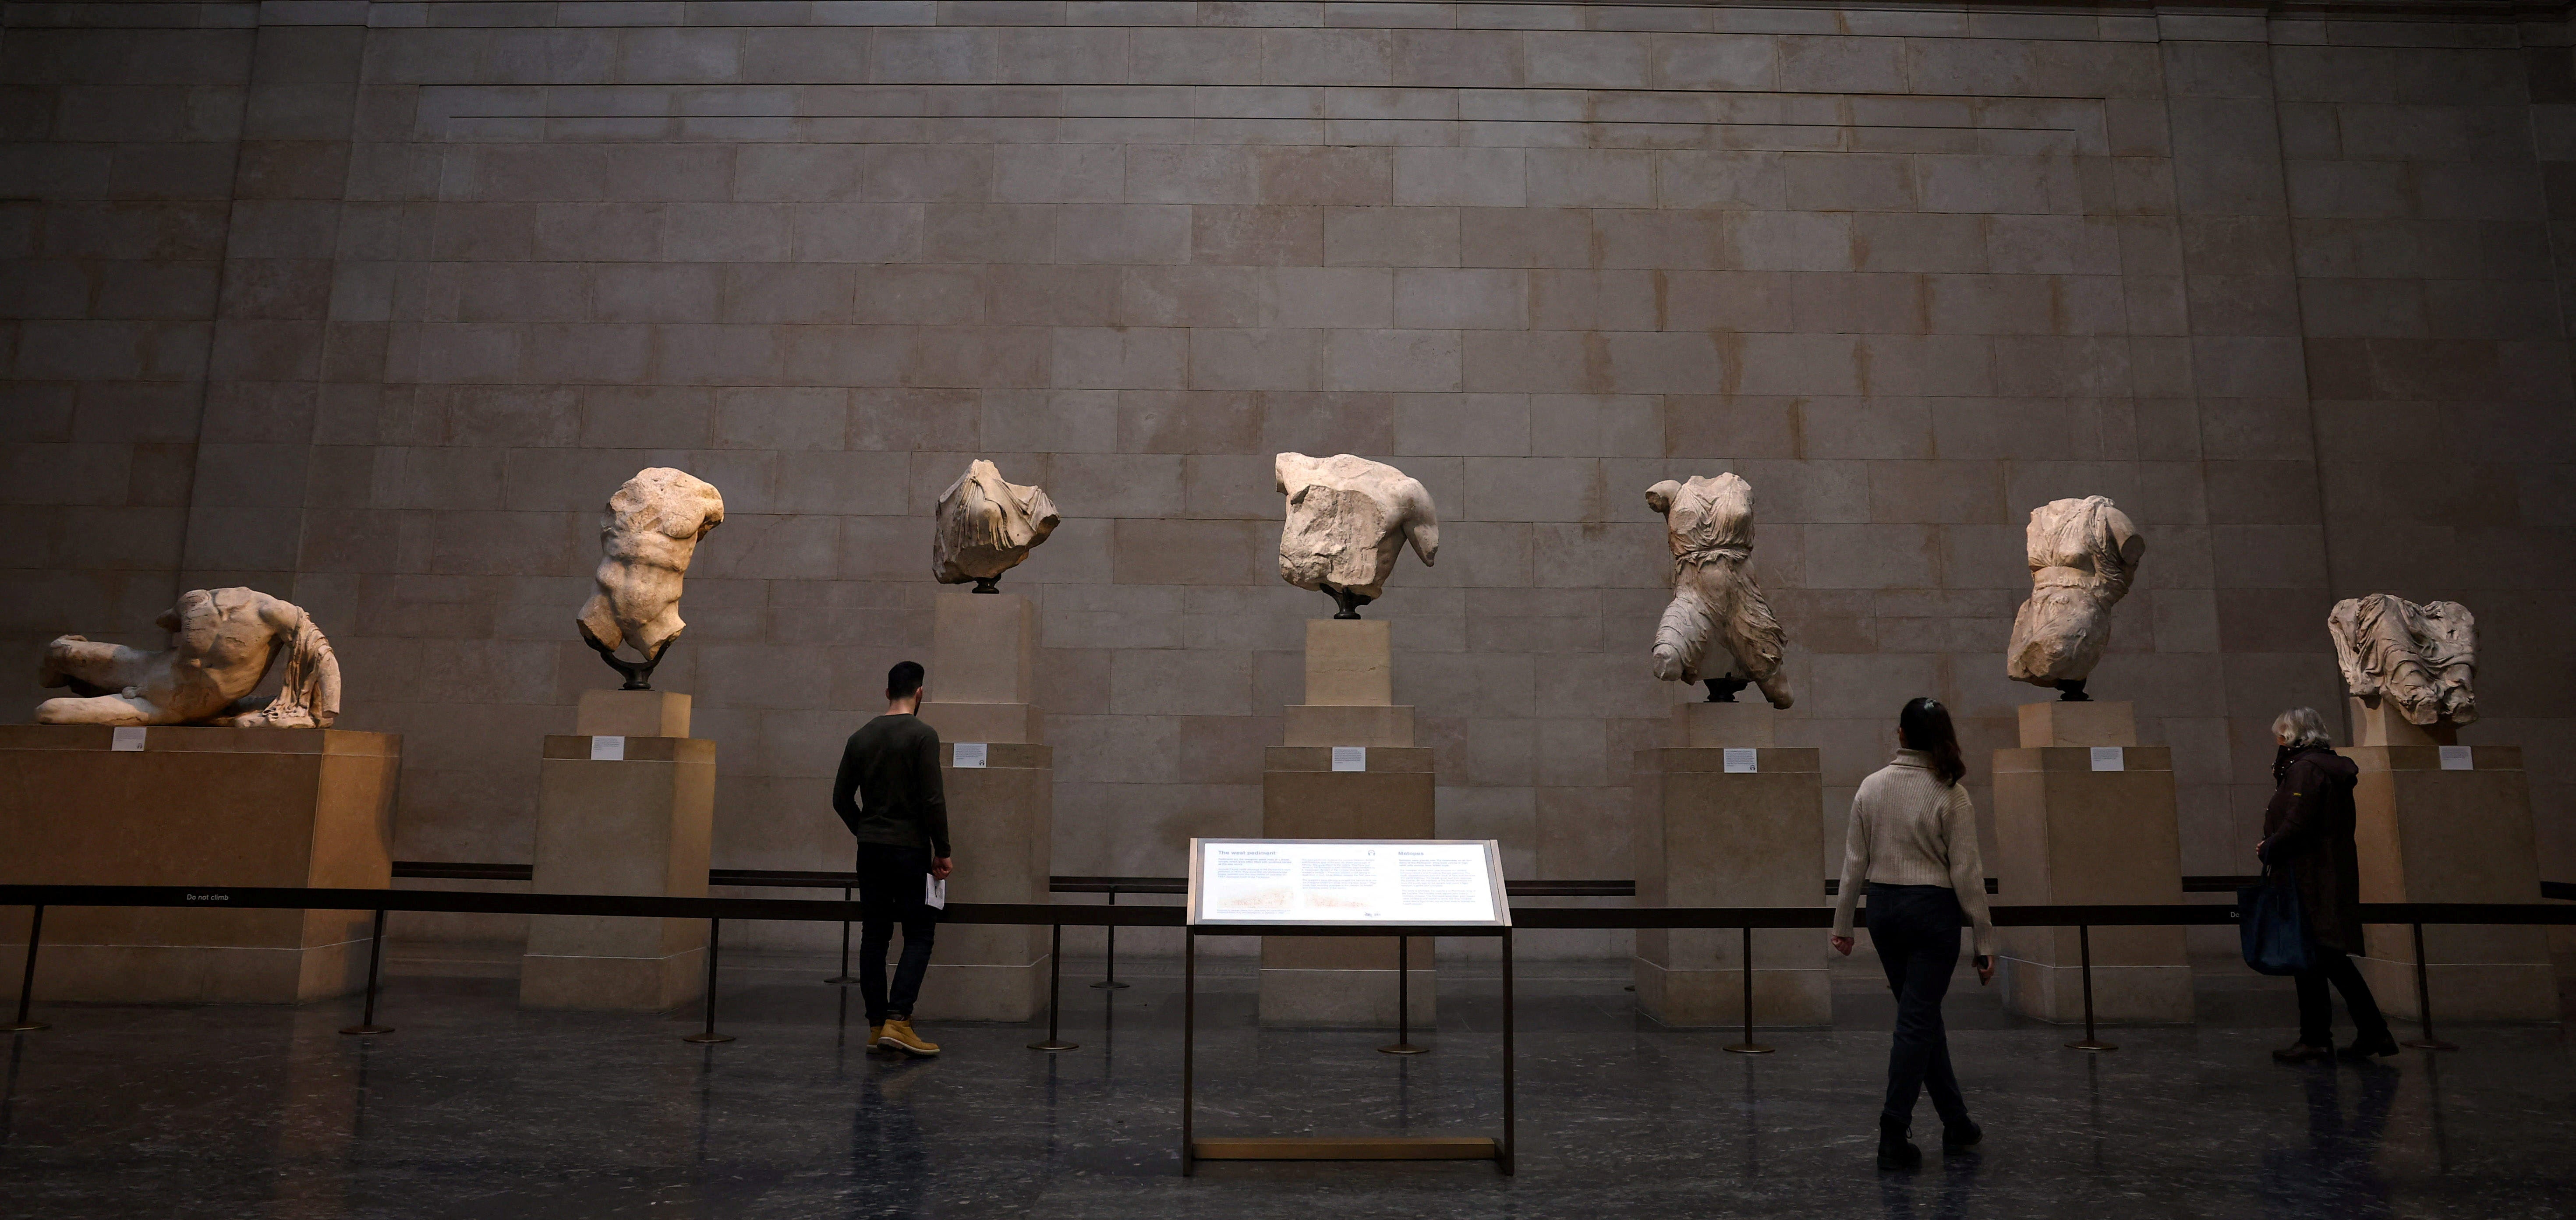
{"type": "Point", "coordinates": [1347, 519]}
{"type": "Point", "coordinates": [2422, 657]}
{"type": "Point", "coordinates": [647, 536]}
{"type": "Point", "coordinates": [2082, 555]}
{"type": "Point", "coordinates": [1718, 629]}
{"type": "Point", "coordinates": [221, 644]}
{"type": "Point", "coordinates": [986, 526]}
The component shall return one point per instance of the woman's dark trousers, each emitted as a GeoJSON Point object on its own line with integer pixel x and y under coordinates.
{"type": "Point", "coordinates": [1916, 931]}
{"type": "Point", "coordinates": [891, 881]}
{"type": "Point", "coordinates": [2316, 1008]}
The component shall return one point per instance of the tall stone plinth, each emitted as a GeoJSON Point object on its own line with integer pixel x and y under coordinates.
{"type": "Point", "coordinates": [2067, 832]}
{"type": "Point", "coordinates": [1001, 816]}
{"type": "Point", "coordinates": [2464, 834]}
{"type": "Point", "coordinates": [1329, 981]}
{"type": "Point", "coordinates": [636, 824]}
{"type": "Point", "coordinates": [194, 806]}
{"type": "Point", "coordinates": [1706, 835]}
{"type": "Point", "coordinates": [1344, 981]}
{"type": "Point", "coordinates": [983, 669]}
{"type": "Point", "coordinates": [1000, 824]}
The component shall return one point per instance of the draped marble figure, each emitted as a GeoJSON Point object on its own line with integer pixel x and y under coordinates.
{"type": "Point", "coordinates": [222, 642]}
{"type": "Point", "coordinates": [647, 537]}
{"type": "Point", "coordinates": [2422, 657]}
{"type": "Point", "coordinates": [1347, 519]}
{"type": "Point", "coordinates": [986, 526]}
{"type": "Point", "coordinates": [1718, 629]}
{"type": "Point", "coordinates": [2082, 556]}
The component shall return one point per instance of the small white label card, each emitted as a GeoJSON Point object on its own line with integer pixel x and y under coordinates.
{"type": "Point", "coordinates": [126, 739]}
{"type": "Point", "coordinates": [608, 748]}
{"type": "Point", "coordinates": [2454, 758]}
{"type": "Point", "coordinates": [2110, 758]}
{"type": "Point", "coordinates": [1350, 758]}
{"type": "Point", "coordinates": [969, 754]}
{"type": "Point", "coordinates": [1742, 762]}
{"type": "Point", "coordinates": [934, 892]}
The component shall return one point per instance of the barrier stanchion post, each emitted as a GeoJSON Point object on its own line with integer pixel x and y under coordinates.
{"type": "Point", "coordinates": [1403, 1044]}
{"type": "Point", "coordinates": [2084, 948]}
{"type": "Point", "coordinates": [1190, 1041]}
{"type": "Point", "coordinates": [1109, 973]}
{"type": "Point", "coordinates": [1508, 1143]}
{"type": "Point", "coordinates": [27, 982]}
{"type": "Point", "coordinates": [709, 1036]}
{"type": "Point", "coordinates": [375, 964]}
{"type": "Point", "coordinates": [2423, 1005]}
{"type": "Point", "coordinates": [843, 979]}
{"type": "Point", "coordinates": [1748, 1046]}
{"type": "Point", "coordinates": [1055, 993]}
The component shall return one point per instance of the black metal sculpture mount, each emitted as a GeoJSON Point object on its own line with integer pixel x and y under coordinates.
{"type": "Point", "coordinates": [1722, 690]}
{"type": "Point", "coordinates": [2071, 690]}
{"type": "Point", "coordinates": [638, 675]}
{"type": "Point", "coordinates": [987, 584]}
{"type": "Point", "coordinates": [1349, 602]}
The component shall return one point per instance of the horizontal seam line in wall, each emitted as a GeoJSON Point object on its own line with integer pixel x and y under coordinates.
{"type": "Point", "coordinates": [1250, 118]}
{"type": "Point", "coordinates": [1561, 90]}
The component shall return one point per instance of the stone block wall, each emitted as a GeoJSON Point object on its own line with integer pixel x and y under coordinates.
{"type": "Point", "coordinates": [372, 304]}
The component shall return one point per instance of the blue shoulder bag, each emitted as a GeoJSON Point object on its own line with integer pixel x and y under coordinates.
{"type": "Point", "coordinates": [2274, 928]}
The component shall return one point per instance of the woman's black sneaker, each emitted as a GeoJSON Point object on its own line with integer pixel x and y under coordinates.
{"type": "Point", "coordinates": [1962, 1137]}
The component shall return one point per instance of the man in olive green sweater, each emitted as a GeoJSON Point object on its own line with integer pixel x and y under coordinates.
{"type": "Point", "coordinates": [889, 794]}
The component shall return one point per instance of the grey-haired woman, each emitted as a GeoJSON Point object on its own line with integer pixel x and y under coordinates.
{"type": "Point", "coordinates": [2307, 833]}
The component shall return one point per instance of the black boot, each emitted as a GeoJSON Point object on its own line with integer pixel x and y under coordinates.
{"type": "Point", "coordinates": [1894, 1151]}
{"type": "Point", "coordinates": [1960, 1136]}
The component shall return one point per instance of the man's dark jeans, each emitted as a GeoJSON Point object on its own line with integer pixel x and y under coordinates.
{"type": "Point", "coordinates": [1916, 931]}
{"type": "Point", "coordinates": [891, 880]}
{"type": "Point", "coordinates": [2316, 1008]}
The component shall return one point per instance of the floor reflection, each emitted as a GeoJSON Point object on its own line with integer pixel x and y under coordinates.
{"type": "Point", "coordinates": [2337, 1171]}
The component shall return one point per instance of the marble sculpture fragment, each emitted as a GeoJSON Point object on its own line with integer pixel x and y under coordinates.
{"type": "Point", "coordinates": [1718, 629]}
{"type": "Point", "coordinates": [986, 527]}
{"type": "Point", "coordinates": [1347, 519]}
{"type": "Point", "coordinates": [2422, 657]}
{"type": "Point", "coordinates": [222, 642]}
{"type": "Point", "coordinates": [2082, 556]}
{"type": "Point", "coordinates": [647, 536]}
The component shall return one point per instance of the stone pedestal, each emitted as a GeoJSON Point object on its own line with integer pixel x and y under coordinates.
{"type": "Point", "coordinates": [1330, 981]}
{"type": "Point", "coordinates": [2427, 834]}
{"type": "Point", "coordinates": [637, 824]}
{"type": "Point", "coordinates": [1001, 816]}
{"type": "Point", "coordinates": [194, 806]}
{"type": "Point", "coordinates": [983, 665]}
{"type": "Point", "coordinates": [2067, 833]}
{"type": "Point", "coordinates": [1707, 836]}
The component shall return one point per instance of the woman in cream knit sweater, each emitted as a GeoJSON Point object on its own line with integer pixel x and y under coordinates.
{"type": "Point", "coordinates": [1913, 843]}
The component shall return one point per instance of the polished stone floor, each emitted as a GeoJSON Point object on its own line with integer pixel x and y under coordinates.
{"type": "Point", "coordinates": [475, 1109]}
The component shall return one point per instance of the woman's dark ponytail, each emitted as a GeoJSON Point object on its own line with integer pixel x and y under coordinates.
{"type": "Point", "coordinates": [1925, 725]}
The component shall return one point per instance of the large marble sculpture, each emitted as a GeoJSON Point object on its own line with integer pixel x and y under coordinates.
{"type": "Point", "coordinates": [2082, 555]}
{"type": "Point", "coordinates": [647, 536]}
{"type": "Point", "coordinates": [986, 527]}
{"type": "Point", "coordinates": [1347, 519]}
{"type": "Point", "coordinates": [221, 644]}
{"type": "Point", "coordinates": [1716, 604]}
{"type": "Point", "coordinates": [2421, 658]}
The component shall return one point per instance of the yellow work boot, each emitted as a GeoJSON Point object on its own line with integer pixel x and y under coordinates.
{"type": "Point", "coordinates": [875, 1032]}
{"type": "Point", "coordinates": [898, 1035]}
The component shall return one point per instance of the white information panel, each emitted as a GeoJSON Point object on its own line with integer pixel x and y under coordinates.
{"type": "Point", "coordinates": [2458, 758]}
{"type": "Point", "coordinates": [608, 748]}
{"type": "Point", "coordinates": [970, 754]}
{"type": "Point", "coordinates": [1252, 882]}
{"type": "Point", "coordinates": [2110, 758]}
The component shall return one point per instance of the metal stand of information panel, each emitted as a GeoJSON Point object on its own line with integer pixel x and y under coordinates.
{"type": "Point", "coordinates": [1195, 1148]}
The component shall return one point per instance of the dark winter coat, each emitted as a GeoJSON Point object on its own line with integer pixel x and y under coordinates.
{"type": "Point", "coordinates": [2307, 831]}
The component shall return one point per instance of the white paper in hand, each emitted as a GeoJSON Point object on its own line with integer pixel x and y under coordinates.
{"type": "Point", "coordinates": [934, 892]}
